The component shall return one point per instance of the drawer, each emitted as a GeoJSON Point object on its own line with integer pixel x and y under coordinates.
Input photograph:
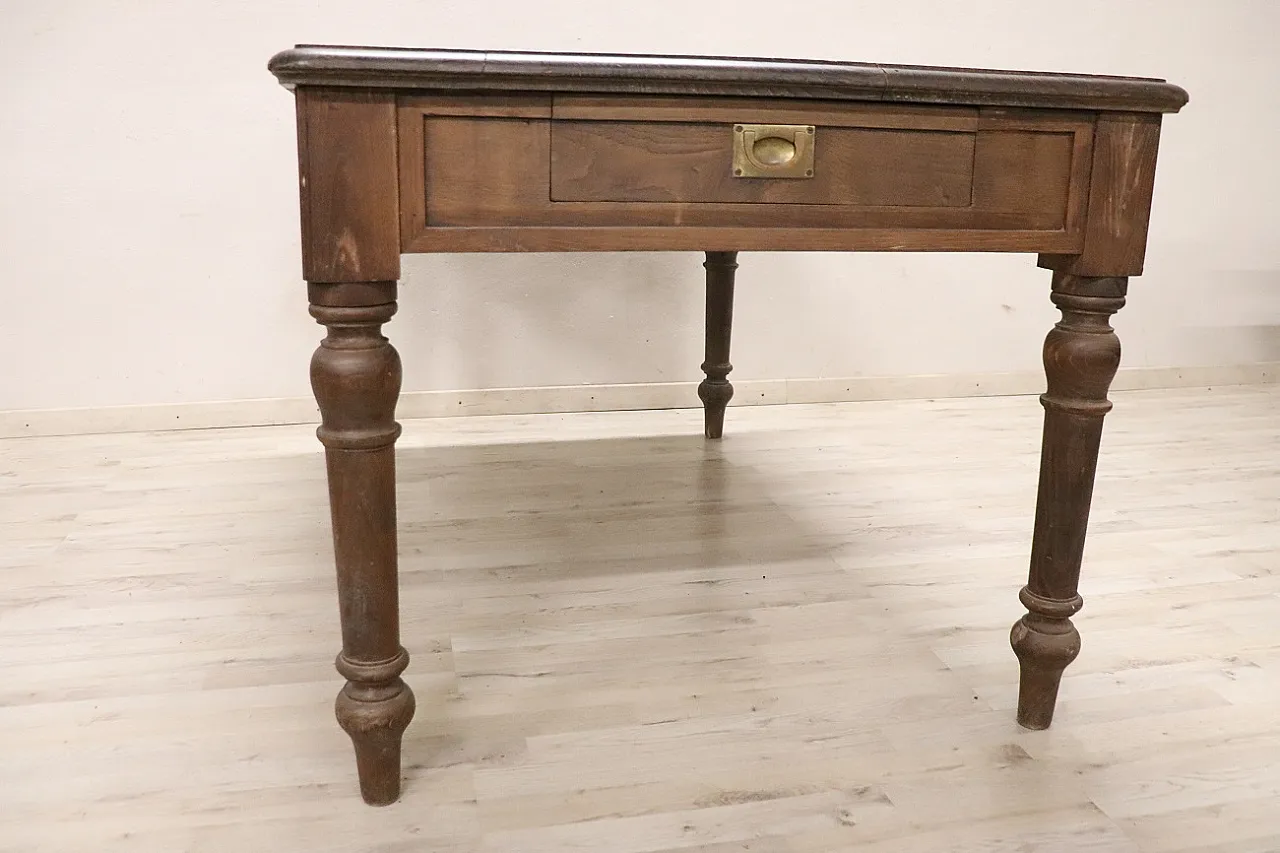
{"type": "Point", "coordinates": [512, 165]}
{"type": "Point", "coordinates": [694, 162]}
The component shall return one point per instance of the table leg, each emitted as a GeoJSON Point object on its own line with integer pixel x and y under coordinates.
{"type": "Point", "coordinates": [1081, 355]}
{"type": "Point", "coordinates": [716, 391]}
{"type": "Point", "coordinates": [355, 374]}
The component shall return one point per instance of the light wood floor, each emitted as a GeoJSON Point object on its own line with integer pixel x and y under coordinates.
{"type": "Point", "coordinates": [628, 640]}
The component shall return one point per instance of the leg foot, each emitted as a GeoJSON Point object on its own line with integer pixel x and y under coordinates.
{"type": "Point", "coordinates": [374, 712]}
{"type": "Point", "coordinates": [716, 391]}
{"type": "Point", "coordinates": [1045, 645]}
{"type": "Point", "coordinates": [1081, 355]}
{"type": "Point", "coordinates": [715, 398]}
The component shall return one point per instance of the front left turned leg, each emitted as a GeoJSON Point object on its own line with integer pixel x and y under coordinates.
{"type": "Point", "coordinates": [715, 391]}
{"type": "Point", "coordinates": [356, 378]}
{"type": "Point", "coordinates": [1081, 355]}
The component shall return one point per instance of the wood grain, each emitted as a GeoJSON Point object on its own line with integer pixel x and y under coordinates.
{"type": "Point", "coordinates": [747, 237]}
{"type": "Point", "coordinates": [503, 105]}
{"type": "Point", "coordinates": [412, 161]}
{"type": "Point", "coordinates": [348, 185]}
{"type": "Point", "coordinates": [693, 163]}
{"type": "Point", "coordinates": [1027, 174]}
{"type": "Point", "coordinates": [763, 111]}
{"type": "Point", "coordinates": [477, 173]}
{"type": "Point", "coordinates": [1040, 196]}
{"type": "Point", "coordinates": [1121, 187]}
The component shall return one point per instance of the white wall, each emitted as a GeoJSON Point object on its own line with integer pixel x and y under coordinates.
{"type": "Point", "coordinates": [149, 212]}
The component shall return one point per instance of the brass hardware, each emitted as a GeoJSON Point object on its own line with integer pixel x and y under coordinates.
{"type": "Point", "coordinates": [773, 150]}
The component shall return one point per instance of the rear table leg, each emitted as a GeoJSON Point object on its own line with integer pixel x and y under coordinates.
{"type": "Point", "coordinates": [716, 391]}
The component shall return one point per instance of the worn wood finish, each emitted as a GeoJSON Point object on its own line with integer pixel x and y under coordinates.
{"type": "Point", "coordinates": [1081, 355]}
{"type": "Point", "coordinates": [351, 257]}
{"type": "Point", "coordinates": [716, 391]}
{"type": "Point", "coordinates": [474, 151]}
{"type": "Point", "coordinates": [348, 185]}
{"type": "Point", "coordinates": [531, 71]}
{"type": "Point", "coordinates": [762, 111]}
{"type": "Point", "coordinates": [685, 162]}
{"type": "Point", "coordinates": [522, 238]}
{"type": "Point", "coordinates": [504, 105]}
{"type": "Point", "coordinates": [355, 374]}
{"type": "Point", "coordinates": [1057, 149]}
{"type": "Point", "coordinates": [695, 238]}
{"type": "Point", "coordinates": [638, 185]}
{"type": "Point", "coordinates": [1123, 180]}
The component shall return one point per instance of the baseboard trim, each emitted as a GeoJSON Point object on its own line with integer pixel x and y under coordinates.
{"type": "Point", "coordinates": [603, 398]}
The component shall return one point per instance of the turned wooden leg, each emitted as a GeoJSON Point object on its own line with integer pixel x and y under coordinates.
{"type": "Point", "coordinates": [715, 391]}
{"type": "Point", "coordinates": [356, 378]}
{"type": "Point", "coordinates": [1081, 355]}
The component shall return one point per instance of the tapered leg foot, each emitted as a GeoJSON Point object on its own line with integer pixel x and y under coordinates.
{"type": "Point", "coordinates": [715, 398]}
{"type": "Point", "coordinates": [1081, 355]}
{"type": "Point", "coordinates": [375, 715]}
{"type": "Point", "coordinates": [715, 391]}
{"type": "Point", "coordinates": [1045, 645]}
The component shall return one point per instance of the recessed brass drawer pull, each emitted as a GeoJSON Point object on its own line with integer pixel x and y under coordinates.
{"type": "Point", "coordinates": [773, 150]}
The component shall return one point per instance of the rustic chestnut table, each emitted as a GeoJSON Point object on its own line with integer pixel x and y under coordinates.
{"type": "Point", "coordinates": [405, 150]}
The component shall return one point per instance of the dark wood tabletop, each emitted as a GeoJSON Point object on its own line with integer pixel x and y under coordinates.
{"type": "Point", "coordinates": [496, 70]}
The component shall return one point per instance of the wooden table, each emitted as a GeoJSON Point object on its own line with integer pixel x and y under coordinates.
{"type": "Point", "coordinates": [471, 151]}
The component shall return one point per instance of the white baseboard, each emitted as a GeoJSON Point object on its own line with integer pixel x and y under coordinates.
{"type": "Point", "coordinates": [600, 398]}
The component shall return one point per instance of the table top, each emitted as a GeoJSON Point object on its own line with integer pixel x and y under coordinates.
{"type": "Point", "coordinates": [493, 70]}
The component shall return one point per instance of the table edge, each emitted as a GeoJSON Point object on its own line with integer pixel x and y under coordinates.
{"type": "Point", "coordinates": [473, 70]}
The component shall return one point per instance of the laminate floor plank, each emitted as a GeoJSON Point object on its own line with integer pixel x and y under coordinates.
{"type": "Point", "coordinates": [626, 639]}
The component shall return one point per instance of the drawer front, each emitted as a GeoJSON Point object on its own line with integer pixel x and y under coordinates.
{"type": "Point", "coordinates": [694, 163]}
{"type": "Point", "coordinates": [488, 173]}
